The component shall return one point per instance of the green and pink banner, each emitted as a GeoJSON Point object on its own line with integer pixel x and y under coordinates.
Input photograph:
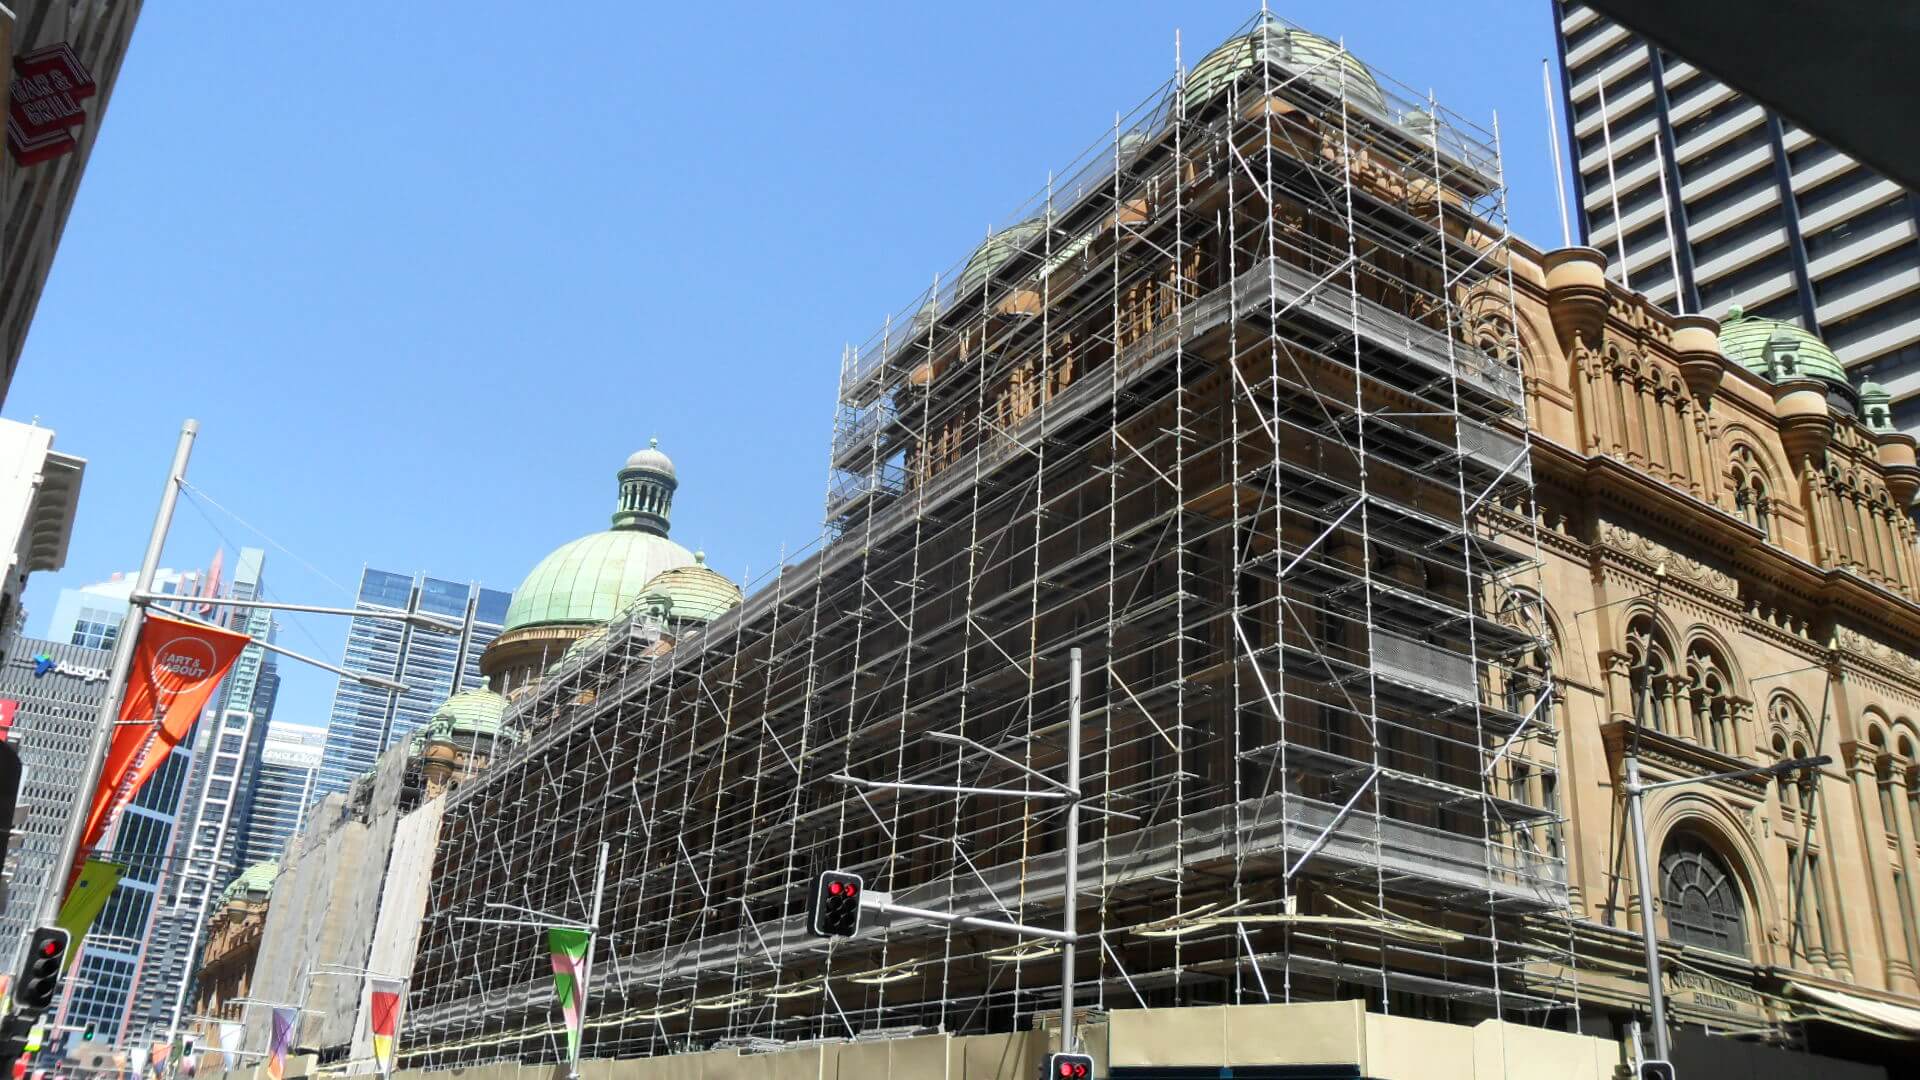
{"type": "Point", "coordinates": [572, 949]}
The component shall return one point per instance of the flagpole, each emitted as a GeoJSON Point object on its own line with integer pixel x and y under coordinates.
{"type": "Point", "coordinates": [593, 939]}
{"type": "Point", "coordinates": [123, 649]}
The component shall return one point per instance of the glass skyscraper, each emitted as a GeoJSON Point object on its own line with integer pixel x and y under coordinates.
{"type": "Point", "coordinates": [433, 664]}
{"type": "Point", "coordinates": [205, 853]}
{"type": "Point", "coordinates": [289, 770]}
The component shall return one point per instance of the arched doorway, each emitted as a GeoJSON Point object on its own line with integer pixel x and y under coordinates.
{"type": "Point", "coordinates": [1701, 897]}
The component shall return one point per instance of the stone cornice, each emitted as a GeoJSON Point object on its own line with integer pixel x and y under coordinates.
{"type": "Point", "coordinates": [1623, 541]}
{"type": "Point", "coordinates": [1676, 755]}
{"type": "Point", "coordinates": [1604, 482]}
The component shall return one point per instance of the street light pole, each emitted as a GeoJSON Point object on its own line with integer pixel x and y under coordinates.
{"type": "Point", "coordinates": [123, 647]}
{"type": "Point", "coordinates": [1643, 873]}
{"type": "Point", "coordinates": [1069, 915]}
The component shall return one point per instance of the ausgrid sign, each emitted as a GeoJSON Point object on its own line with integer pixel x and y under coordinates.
{"type": "Point", "coordinates": [44, 665]}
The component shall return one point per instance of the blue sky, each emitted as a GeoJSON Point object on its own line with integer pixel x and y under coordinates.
{"type": "Point", "coordinates": [427, 272]}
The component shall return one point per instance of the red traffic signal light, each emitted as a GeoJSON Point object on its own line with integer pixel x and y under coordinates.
{"type": "Point", "coordinates": [46, 955]}
{"type": "Point", "coordinates": [835, 911]}
{"type": "Point", "coordinates": [1067, 1067]}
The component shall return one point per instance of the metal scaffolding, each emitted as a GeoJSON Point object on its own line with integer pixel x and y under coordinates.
{"type": "Point", "coordinates": [1230, 406]}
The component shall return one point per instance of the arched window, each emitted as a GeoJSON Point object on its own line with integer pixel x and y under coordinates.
{"type": "Point", "coordinates": [1530, 676]}
{"type": "Point", "coordinates": [1709, 699]}
{"type": "Point", "coordinates": [1789, 722]}
{"type": "Point", "coordinates": [1701, 898]}
{"type": "Point", "coordinates": [1750, 498]}
{"type": "Point", "coordinates": [1650, 675]}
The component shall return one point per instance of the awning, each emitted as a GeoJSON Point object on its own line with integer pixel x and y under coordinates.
{"type": "Point", "coordinates": [1898, 1020]}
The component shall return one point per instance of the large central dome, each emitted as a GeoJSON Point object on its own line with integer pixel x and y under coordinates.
{"type": "Point", "coordinates": [594, 578]}
{"type": "Point", "coordinates": [1316, 60]}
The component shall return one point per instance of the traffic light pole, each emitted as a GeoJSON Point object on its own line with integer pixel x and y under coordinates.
{"type": "Point", "coordinates": [875, 900]}
{"type": "Point", "coordinates": [1069, 908]}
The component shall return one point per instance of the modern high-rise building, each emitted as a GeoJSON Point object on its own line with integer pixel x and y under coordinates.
{"type": "Point", "coordinates": [91, 615]}
{"type": "Point", "coordinates": [289, 771]}
{"type": "Point", "coordinates": [67, 56]}
{"type": "Point", "coordinates": [434, 664]}
{"type": "Point", "coordinates": [1721, 202]}
{"type": "Point", "coordinates": [39, 495]}
{"type": "Point", "coordinates": [57, 689]}
{"type": "Point", "coordinates": [205, 854]}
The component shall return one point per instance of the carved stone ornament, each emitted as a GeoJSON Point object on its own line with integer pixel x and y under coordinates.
{"type": "Point", "coordinates": [1682, 567]}
{"type": "Point", "coordinates": [1854, 641]}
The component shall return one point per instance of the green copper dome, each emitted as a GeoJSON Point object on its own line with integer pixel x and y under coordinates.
{"type": "Point", "coordinates": [996, 251]}
{"type": "Point", "coordinates": [472, 712]}
{"type": "Point", "coordinates": [594, 578]}
{"type": "Point", "coordinates": [1777, 350]}
{"type": "Point", "coordinates": [1313, 58]}
{"type": "Point", "coordinates": [690, 593]}
{"type": "Point", "coordinates": [257, 878]}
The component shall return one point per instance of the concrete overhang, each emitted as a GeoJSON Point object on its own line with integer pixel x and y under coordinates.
{"type": "Point", "coordinates": [1845, 72]}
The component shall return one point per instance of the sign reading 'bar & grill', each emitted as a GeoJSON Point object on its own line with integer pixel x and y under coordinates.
{"type": "Point", "coordinates": [43, 103]}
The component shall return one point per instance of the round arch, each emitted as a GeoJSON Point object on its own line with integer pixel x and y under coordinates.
{"type": "Point", "coordinates": [1719, 830]}
{"type": "Point", "coordinates": [1641, 610]}
{"type": "Point", "coordinates": [1736, 433]}
{"type": "Point", "coordinates": [1787, 725]}
{"type": "Point", "coordinates": [1903, 737]}
{"type": "Point", "coordinates": [1876, 729]}
{"type": "Point", "coordinates": [1701, 633]}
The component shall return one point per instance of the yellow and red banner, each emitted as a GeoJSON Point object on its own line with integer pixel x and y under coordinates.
{"type": "Point", "coordinates": [385, 1000]}
{"type": "Point", "coordinates": [176, 668]}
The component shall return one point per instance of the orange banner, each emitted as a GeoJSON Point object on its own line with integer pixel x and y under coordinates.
{"type": "Point", "coordinates": [176, 668]}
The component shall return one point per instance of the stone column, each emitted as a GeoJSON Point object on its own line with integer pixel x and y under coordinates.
{"type": "Point", "coordinates": [1909, 866]}
{"type": "Point", "coordinates": [1873, 863]}
{"type": "Point", "coordinates": [1839, 952]}
{"type": "Point", "coordinates": [1743, 726]}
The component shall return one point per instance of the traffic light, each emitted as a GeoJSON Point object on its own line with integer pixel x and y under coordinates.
{"type": "Point", "coordinates": [87, 1033]}
{"type": "Point", "coordinates": [1656, 1069]}
{"type": "Point", "coordinates": [1067, 1067]}
{"type": "Point", "coordinates": [836, 904]}
{"type": "Point", "coordinates": [13, 1044]}
{"type": "Point", "coordinates": [10, 770]}
{"type": "Point", "coordinates": [40, 978]}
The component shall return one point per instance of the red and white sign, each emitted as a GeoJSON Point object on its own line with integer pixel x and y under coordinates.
{"type": "Point", "coordinates": [43, 103]}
